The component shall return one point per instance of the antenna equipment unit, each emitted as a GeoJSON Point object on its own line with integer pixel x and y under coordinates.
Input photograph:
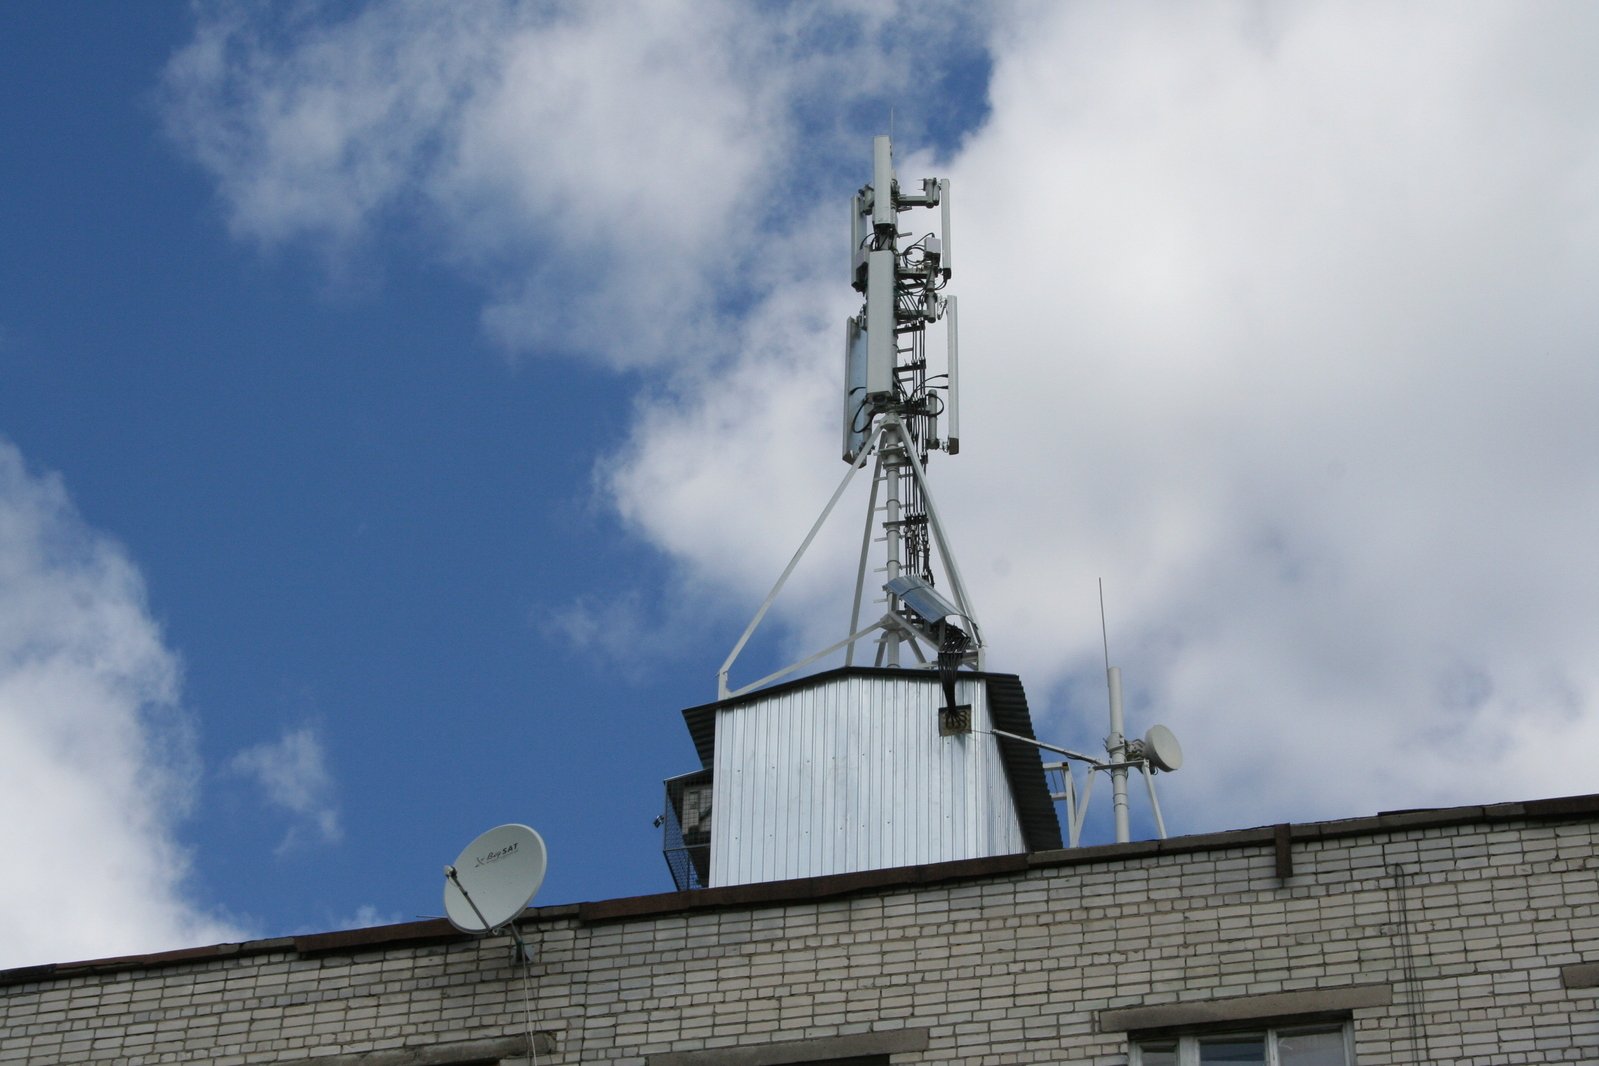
{"type": "Point", "coordinates": [895, 414]}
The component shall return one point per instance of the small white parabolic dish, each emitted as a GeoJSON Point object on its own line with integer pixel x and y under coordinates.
{"type": "Point", "coordinates": [1162, 749]}
{"type": "Point", "coordinates": [501, 871]}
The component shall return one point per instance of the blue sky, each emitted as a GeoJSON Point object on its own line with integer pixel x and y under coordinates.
{"type": "Point", "coordinates": [403, 408]}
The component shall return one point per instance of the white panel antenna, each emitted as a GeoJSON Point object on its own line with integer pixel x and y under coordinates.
{"type": "Point", "coordinates": [857, 412]}
{"type": "Point", "coordinates": [946, 260]}
{"type": "Point", "coordinates": [881, 337]}
{"type": "Point", "coordinates": [952, 435]}
{"type": "Point", "coordinates": [882, 184]}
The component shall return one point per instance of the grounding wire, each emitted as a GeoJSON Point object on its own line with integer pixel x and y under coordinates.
{"type": "Point", "coordinates": [527, 1005]}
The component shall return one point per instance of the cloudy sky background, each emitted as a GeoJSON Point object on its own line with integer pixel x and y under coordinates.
{"type": "Point", "coordinates": [404, 407]}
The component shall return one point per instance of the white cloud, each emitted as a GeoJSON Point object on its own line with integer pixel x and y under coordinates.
{"type": "Point", "coordinates": [612, 173]}
{"type": "Point", "coordinates": [96, 755]}
{"type": "Point", "coordinates": [292, 772]}
{"type": "Point", "coordinates": [1277, 318]}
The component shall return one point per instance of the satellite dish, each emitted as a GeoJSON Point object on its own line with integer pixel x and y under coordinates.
{"type": "Point", "coordinates": [1162, 750]}
{"type": "Point", "coordinates": [494, 878]}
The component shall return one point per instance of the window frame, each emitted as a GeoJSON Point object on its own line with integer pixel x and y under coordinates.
{"type": "Point", "coordinates": [1185, 1042]}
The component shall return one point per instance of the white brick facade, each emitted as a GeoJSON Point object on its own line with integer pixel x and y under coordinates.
{"type": "Point", "coordinates": [1468, 936]}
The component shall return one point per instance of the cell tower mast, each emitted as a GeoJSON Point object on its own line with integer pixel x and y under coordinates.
{"type": "Point", "coordinates": [920, 755]}
{"type": "Point", "coordinates": [892, 412]}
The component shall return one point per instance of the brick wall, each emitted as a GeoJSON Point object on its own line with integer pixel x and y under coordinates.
{"type": "Point", "coordinates": [1465, 936]}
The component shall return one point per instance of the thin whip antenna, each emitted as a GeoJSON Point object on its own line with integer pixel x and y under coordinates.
{"type": "Point", "coordinates": [1104, 634]}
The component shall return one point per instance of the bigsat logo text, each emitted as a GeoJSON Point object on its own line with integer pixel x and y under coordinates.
{"type": "Point", "coordinates": [496, 856]}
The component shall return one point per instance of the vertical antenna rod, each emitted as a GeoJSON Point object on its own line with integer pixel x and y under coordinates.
{"type": "Point", "coordinates": [1104, 631]}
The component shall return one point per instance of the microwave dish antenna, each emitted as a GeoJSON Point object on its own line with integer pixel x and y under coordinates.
{"type": "Point", "coordinates": [1162, 750]}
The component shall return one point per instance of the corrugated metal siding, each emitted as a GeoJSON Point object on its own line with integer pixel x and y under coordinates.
{"type": "Point", "coordinates": [852, 775]}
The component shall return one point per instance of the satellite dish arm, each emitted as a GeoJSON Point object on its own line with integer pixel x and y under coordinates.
{"type": "Point", "coordinates": [521, 951]}
{"type": "Point", "coordinates": [449, 872]}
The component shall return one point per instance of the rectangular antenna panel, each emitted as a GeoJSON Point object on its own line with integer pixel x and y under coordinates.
{"type": "Point", "coordinates": [882, 183]}
{"type": "Point", "coordinates": [880, 344]}
{"type": "Point", "coordinates": [857, 411]}
{"type": "Point", "coordinates": [858, 232]}
{"type": "Point", "coordinates": [943, 206]}
{"type": "Point", "coordinates": [953, 444]}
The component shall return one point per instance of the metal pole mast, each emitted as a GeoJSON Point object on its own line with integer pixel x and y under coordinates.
{"type": "Point", "coordinates": [887, 383]}
{"type": "Point", "coordinates": [893, 409]}
{"type": "Point", "coordinates": [1116, 745]}
{"type": "Point", "coordinates": [893, 459]}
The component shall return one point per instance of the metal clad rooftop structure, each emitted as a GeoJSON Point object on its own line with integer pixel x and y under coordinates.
{"type": "Point", "coordinates": [846, 770]}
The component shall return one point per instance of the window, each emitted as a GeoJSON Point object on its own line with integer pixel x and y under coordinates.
{"type": "Point", "coordinates": [1288, 1045]}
